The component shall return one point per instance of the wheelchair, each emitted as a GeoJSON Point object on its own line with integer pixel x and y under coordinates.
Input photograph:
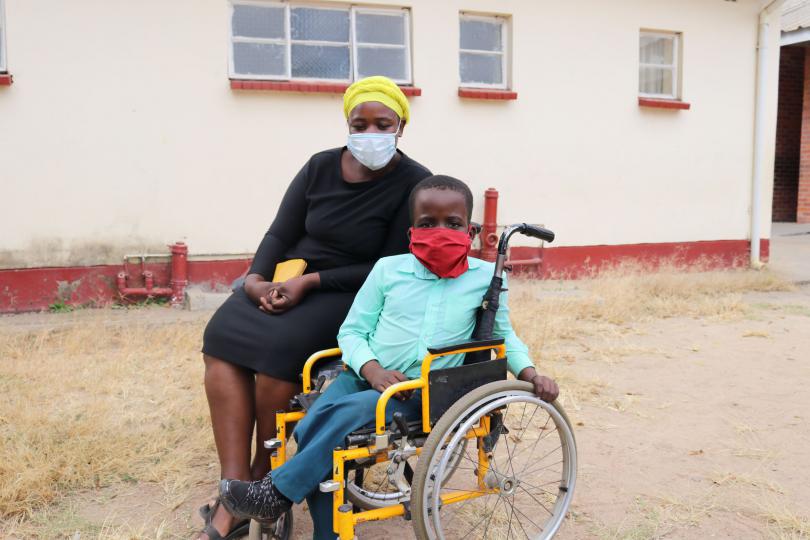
{"type": "Point", "coordinates": [487, 459]}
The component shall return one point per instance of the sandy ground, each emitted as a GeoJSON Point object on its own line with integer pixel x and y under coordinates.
{"type": "Point", "coordinates": [697, 429]}
{"type": "Point", "coordinates": [702, 432]}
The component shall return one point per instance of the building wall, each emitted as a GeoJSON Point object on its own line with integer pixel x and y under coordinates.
{"type": "Point", "coordinates": [788, 133]}
{"type": "Point", "coordinates": [121, 131]}
{"type": "Point", "coordinates": [803, 206]}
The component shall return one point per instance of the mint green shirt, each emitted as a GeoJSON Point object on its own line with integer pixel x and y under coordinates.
{"type": "Point", "coordinates": [402, 309]}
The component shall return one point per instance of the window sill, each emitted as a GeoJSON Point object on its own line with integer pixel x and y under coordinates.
{"type": "Point", "coordinates": [6, 79]}
{"type": "Point", "coordinates": [306, 87]}
{"type": "Point", "coordinates": [477, 93]}
{"type": "Point", "coordinates": [664, 103]}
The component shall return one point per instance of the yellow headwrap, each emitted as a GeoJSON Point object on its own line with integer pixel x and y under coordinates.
{"type": "Point", "coordinates": [380, 89]}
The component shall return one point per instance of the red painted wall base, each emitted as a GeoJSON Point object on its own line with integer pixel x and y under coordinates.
{"type": "Point", "coordinates": [572, 262]}
{"type": "Point", "coordinates": [34, 289]}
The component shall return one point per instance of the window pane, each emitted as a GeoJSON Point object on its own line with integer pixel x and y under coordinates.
{"type": "Point", "coordinates": [258, 22]}
{"type": "Point", "coordinates": [373, 28]}
{"type": "Point", "coordinates": [481, 68]}
{"type": "Point", "coordinates": [657, 50]}
{"type": "Point", "coordinates": [481, 35]}
{"type": "Point", "coordinates": [388, 62]}
{"type": "Point", "coordinates": [320, 62]}
{"type": "Point", "coordinates": [259, 59]}
{"type": "Point", "coordinates": [319, 24]}
{"type": "Point", "coordinates": [653, 80]}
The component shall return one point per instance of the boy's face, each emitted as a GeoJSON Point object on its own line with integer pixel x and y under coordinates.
{"type": "Point", "coordinates": [440, 208]}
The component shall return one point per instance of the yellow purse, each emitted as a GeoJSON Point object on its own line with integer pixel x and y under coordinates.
{"type": "Point", "coordinates": [289, 269]}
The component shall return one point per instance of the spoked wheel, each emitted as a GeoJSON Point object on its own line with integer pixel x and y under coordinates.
{"type": "Point", "coordinates": [368, 488]}
{"type": "Point", "coordinates": [280, 530]}
{"type": "Point", "coordinates": [516, 482]}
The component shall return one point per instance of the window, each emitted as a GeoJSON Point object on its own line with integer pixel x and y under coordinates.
{"type": "Point", "coordinates": [3, 62]}
{"type": "Point", "coordinates": [658, 65]}
{"type": "Point", "coordinates": [482, 51]}
{"type": "Point", "coordinates": [281, 41]}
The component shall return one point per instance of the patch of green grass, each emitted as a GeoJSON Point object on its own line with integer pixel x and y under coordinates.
{"type": "Point", "coordinates": [136, 304]}
{"type": "Point", "coordinates": [60, 306]}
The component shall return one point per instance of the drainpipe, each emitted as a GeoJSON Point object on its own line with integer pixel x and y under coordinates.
{"type": "Point", "coordinates": [760, 128]}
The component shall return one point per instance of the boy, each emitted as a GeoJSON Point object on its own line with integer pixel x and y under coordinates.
{"type": "Point", "coordinates": [408, 302]}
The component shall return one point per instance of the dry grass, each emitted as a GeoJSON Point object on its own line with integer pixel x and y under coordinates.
{"type": "Point", "coordinates": [89, 406]}
{"type": "Point", "coordinates": [784, 524]}
{"type": "Point", "coordinates": [562, 320]}
{"type": "Point", "coordinates": [97, 406]}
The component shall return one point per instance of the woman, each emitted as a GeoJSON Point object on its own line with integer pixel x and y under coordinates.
{"type": "Point", "coordinates": [346, 208]}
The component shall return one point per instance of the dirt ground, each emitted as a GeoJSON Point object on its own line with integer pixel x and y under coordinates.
{"type": "Point", "coordinates": [687, 427]}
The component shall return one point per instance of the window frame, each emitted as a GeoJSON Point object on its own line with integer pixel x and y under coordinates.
{"type": "Point", "coordinates": [3, 32]}
{"type": "Point", "coordinates": [505, 50]}
{"type": "Point", "coordinates": [406, 21]}
{"type": "Point", "coordinates": [288, 41]}
{"type": "Point", "coordinates": [675, 67]}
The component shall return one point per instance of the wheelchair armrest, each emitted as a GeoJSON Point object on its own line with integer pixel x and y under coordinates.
{"type": "Point", "coordinates": [306, 374]}
{"type": "Point", "coordinates": [382, 401]}
{"type": "Point", "coordinates": [492, 343]}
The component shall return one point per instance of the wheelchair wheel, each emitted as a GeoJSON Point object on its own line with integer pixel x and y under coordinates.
{"type": "Point", "coordinates": [369, 488]}
{"type": "Point", "coordinates": [280, 530]}
{"type": "Point", "coordinates": [529, 460]}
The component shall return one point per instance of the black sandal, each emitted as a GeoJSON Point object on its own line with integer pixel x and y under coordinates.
{"type": "Point", "coordinates": [239, 529]}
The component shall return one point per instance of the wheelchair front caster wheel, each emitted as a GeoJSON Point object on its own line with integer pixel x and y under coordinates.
{"type": "Point", "coordinates": [280, 530]}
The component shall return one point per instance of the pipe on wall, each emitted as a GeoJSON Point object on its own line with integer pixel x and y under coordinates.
{"type": "Point", "coordinates": [178, 282]}
{"type": "Point", "coordinates": [762, 99]}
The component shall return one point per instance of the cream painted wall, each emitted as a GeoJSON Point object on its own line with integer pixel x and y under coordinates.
{"type": "Point", "coordinates": [121, 131]}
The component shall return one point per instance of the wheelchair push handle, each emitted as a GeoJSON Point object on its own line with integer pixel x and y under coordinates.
{"type": "Point", "coordinates": [526, 229]}
{"type": "Point", "coordinates": [538, 232]}
{"type": "Point", "coordinates": [503, 244]}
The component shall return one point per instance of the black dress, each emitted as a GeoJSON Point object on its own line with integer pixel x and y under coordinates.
{"type": "Point", "coordinates": [340, 229]}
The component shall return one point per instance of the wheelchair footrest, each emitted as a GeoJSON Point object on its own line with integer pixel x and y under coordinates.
{"type": "Point", "coordinates": [365, 436]}
{"type": "Point", "coordinates": [304, 401]}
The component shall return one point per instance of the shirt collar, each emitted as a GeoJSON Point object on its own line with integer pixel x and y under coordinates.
{"type": "Point", "coordinates": [411, 265]}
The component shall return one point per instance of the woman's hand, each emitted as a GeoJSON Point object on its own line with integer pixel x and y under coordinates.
{"type": "Point", "coordinates": [258, 289]}
{"type": "Point", "coordinates": [284, 296]}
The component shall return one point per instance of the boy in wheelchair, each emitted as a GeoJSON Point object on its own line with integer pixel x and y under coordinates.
{"type": "Point", "coordinates": [408, 303]}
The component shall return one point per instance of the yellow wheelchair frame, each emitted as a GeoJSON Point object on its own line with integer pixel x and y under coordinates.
{"type": "Point", "coordinates": [344, 518]}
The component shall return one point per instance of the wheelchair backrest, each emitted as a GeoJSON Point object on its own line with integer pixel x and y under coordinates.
{"type": "Point", "coordinates": [448, 385]}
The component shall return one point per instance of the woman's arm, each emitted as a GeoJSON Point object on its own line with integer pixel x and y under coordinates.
{"type": "Point", "coordinates": [286, 229]}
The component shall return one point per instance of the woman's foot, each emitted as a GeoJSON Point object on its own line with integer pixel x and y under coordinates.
{"type": "Point", "coordinates": [219, 523]}
{"type": "Point", "coordinates": [259, 500]}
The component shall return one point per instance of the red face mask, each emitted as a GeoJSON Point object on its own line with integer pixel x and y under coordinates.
{"type": "Point", "coordinates": [442, 251]}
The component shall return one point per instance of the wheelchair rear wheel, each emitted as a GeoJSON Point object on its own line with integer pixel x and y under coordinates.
{"type": "Point", "coordinates": [527, 464]}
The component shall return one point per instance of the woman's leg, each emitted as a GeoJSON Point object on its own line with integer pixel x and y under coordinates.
{"type": "Point", "coordinates": [230, 392]}
{"type": "Point", "coordinates": [272, 395]}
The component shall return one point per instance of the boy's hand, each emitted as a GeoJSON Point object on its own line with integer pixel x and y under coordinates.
{"type": "Point", "coordinates": [544, 387]}
{"type": "Point", "coordinates": [380, 378]}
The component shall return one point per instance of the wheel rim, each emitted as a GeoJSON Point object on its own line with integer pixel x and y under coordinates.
{"type": "Point", "coordinates": [529, 484]}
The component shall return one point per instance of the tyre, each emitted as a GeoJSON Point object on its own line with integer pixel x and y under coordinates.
{"type": "Point", "coordinates": [280, 530]}
{"type": "Point", "coordinates": [530, 462]}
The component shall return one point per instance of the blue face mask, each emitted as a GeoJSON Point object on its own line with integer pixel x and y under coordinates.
{"type": "Point", "coordinates": [374, 150]}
